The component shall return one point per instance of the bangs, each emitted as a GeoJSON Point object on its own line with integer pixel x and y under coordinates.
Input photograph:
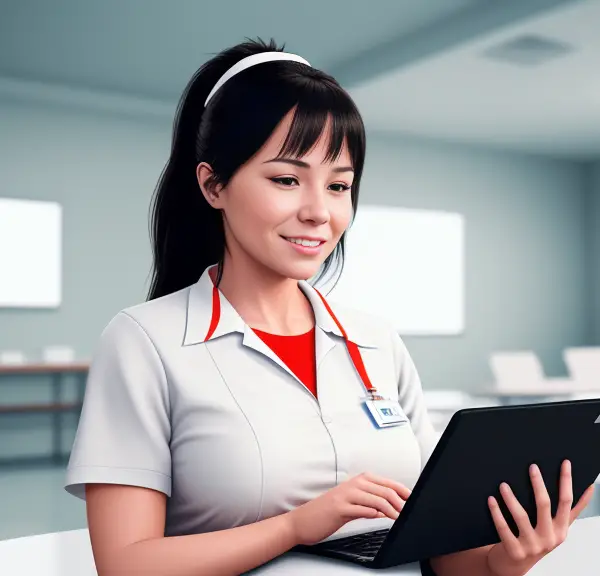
{"type": "Point", "coordinates": [328, 108]}
{"type": "Point", "coordinates": [323, 108]}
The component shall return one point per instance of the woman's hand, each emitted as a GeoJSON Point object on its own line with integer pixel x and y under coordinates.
{"type": "Point", "coordinates": [515, 556]}
{"type": "Point", "coordinates": [364, 496]}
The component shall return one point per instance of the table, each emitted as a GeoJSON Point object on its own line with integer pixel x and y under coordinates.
{"type": "Point", "coordinates": [507, 396]}
{"type": "Point", "coordinates": [70, 554]}
{"type": "Point", "coordinates": [57, 406]}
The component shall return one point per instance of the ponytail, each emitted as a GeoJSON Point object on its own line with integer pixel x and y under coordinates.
{"type": "Point", "coordinates": [186, 233]}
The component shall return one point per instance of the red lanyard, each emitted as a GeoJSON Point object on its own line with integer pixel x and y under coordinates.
{"type": "Point", "coordinates": [353, 350]}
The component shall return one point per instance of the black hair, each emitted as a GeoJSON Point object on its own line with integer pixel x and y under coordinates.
{"type": "Point", "coordinates": [187, 234]}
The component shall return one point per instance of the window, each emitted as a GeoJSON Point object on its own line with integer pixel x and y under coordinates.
{"type": "Point", "coordinates": [406, 266]}
{"type": "Point", "coordinates": [30, 254]}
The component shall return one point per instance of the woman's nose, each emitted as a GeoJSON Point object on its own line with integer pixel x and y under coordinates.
{"type": "Point", "coordinates": [314, 208]}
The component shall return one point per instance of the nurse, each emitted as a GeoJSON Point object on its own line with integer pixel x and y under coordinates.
{"type": "Point", "coordinates": [237, 413]}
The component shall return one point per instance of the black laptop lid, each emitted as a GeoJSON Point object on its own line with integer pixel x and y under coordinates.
{"type": "Point", "coordinates": [482, 447]}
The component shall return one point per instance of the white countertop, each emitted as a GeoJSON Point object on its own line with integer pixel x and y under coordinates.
{"type": "Point", "coordinates": [70, 554]}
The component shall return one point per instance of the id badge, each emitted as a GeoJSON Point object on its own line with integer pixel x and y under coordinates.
{"type": "Point", "coordinates": [386, 412]}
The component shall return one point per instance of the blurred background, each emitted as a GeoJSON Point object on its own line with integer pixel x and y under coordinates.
{"type": "Point", "coordinates": [484, 110]}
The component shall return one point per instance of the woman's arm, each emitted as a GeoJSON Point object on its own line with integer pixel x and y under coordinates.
{"type": "Point", "coordinates": [127, 529]}
{"type": "Point", "coordinates": [131, 541]}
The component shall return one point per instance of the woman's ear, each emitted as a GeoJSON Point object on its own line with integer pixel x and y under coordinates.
{"type": "Point", "coordinates": [210, 189]}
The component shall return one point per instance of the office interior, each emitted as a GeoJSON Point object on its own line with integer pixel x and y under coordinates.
{"type": "Point", "coordinates": [486, 110]}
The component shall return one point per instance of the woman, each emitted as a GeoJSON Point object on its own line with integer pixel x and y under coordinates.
{"type": "Point", "coordinates": [223, 421]}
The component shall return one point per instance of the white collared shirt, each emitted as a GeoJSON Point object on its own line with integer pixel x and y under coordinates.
{"type": "Point", "coordinates": [224, 428]}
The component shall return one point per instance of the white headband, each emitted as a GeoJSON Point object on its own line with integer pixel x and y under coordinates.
{"type": "Point", "coordinates": [252, 61]}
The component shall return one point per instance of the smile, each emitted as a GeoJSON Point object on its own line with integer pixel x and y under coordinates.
{"type": "Point", "coordinates": [306, 246]}
{"type": "Point", "coordinates": [305, 242]}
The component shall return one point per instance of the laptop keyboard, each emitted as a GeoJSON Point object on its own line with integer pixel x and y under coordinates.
{"type": "Point", "coordinates": [363, 547]}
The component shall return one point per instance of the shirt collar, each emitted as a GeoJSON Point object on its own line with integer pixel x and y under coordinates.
{"type": "Point", "coordinates": [207, 320]}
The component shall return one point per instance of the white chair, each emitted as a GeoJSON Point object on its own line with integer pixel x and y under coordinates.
{"type": "Point", "coordinates": [56, 554]}
{"type": "Point", "coordinates": [523, 371]}
{"type": "Point", "coordinates": [442, 404]}
{"type": "Point", "coordinates": [445, 400]}
{"type": "Point", "coordinates": [584, 367]}
{"type": "Point", "coordinates": [12, 358]}
{"type": "Point", "coordinates": [58, 355]}
{"type": "Point", "coordinates": [517, 370]}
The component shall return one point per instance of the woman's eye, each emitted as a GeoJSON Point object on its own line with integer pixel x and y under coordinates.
{"type": "Point", "coordinates": [291, 181]}
{"type": "Point", "coordinates": [340, 187]}
{"type": "Point", "coordinates": [286, 180]}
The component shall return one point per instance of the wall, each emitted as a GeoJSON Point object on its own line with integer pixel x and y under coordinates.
{"type": "Point", "coordinates": [525, 250]}
{"type": "Point", "coordinates": [525, 241]}
{"type": "Point", "coordinates": [103, 170]}
{"type": "Point", "coordinates": [594, 253]}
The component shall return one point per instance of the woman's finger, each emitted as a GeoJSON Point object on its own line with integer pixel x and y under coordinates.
{"type": "Point", "coordinates": [544, 525]}
{"type": "Point", "coordinates": [354, 511]}
{"type": "Point", "coordinates": [581, 504]}
{"type": "Point", "coordinates": [510, 541]}
{"type": "Point", "coordinates": [369, 500]}
{"type": "Point", "coordinates": [565, 496]}
{"type": "Point", "coordinates": [388, 493]}
{"type": "Point", "coordinates": [400, 489]}
{"type": "Point", "coordinates": [526, 531]}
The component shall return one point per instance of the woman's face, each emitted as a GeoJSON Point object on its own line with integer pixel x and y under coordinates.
{"type": "Point", "coordinates": [286, 214]}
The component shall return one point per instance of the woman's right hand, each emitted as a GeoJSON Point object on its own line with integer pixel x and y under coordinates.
{"type": "Point", "coordinates": [364, 496]}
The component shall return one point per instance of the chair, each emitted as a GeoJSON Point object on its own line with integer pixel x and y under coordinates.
{"type": "Point", "coordinates": [55, 554]}
{"type": "Point", "coordinates": [584, 367]}
{"type": "Point", "coordinates": [58, 355]}
{"type": "Point", "coordinates": [12, 358]}
{"type": "Point", "coordinates": [522, 370]}
{"type": "Point", "coordinates": [517, 369]}
{"type": "Point", "coordinates": [442, 404]}
{"type": "Point", "coordinates": [445, 400]}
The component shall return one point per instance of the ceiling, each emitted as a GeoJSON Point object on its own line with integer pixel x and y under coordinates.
{"type": "Point", "coordinates": [150, 48]}
{"type": "Point", "coordinates": [460, 95]}
{"type": "Point", "coordinates": [414, 67]}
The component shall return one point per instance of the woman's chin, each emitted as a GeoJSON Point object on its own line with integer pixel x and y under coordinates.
{"type": "Point", "coordinates": [303, 271]}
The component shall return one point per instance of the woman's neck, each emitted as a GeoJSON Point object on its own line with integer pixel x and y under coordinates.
{"type": "Point", "coordinates": [265, 300]}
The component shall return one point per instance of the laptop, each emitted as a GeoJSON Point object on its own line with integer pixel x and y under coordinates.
{"type": "Point", "coordinates": [447, 510]}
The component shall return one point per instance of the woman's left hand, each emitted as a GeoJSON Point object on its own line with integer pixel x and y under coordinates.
{"type": "Point", "coordinates": [515, 556]}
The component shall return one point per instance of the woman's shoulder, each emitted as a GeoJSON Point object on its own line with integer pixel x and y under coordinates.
{"type": "Point", "coordinates": [364, 327]}
{"type": "Point", "coordinates": [162, 316]}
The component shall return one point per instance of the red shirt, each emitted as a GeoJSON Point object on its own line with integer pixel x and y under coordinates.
{"type": "Point", "coordinates": [297, 353]}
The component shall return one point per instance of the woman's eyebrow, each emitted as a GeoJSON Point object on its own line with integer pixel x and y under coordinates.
{"type": "Point", "coordinates": [302, 164]}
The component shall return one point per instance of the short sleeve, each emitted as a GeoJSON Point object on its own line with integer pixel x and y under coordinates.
{"type": "Point", "coordinates": [410, 396]}
{"type": "Point", "coordinates": [124, 429]}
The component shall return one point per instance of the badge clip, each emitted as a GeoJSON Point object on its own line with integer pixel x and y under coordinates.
{"type": "Point", "coordinates": [385, 412]}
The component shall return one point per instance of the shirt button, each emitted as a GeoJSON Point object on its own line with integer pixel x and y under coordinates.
{"type": "Point", "coordinates": [326, 418]}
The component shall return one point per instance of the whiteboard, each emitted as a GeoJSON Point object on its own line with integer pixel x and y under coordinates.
{"type": "Point", "coordinates": [406, 266]}
{"type": "Point", "coordinates": [30, 254]}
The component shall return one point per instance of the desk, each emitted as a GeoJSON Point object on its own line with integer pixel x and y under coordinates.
{"type": "Point", "coordinates": [519, 395]}
{"type": "Point", "coordinates": [57, 406]}
{"type": "Point", "coordinates": [70, 554]}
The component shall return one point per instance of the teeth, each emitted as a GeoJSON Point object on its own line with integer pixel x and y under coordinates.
{"type": "Point", "coordinates": [302, 242]}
